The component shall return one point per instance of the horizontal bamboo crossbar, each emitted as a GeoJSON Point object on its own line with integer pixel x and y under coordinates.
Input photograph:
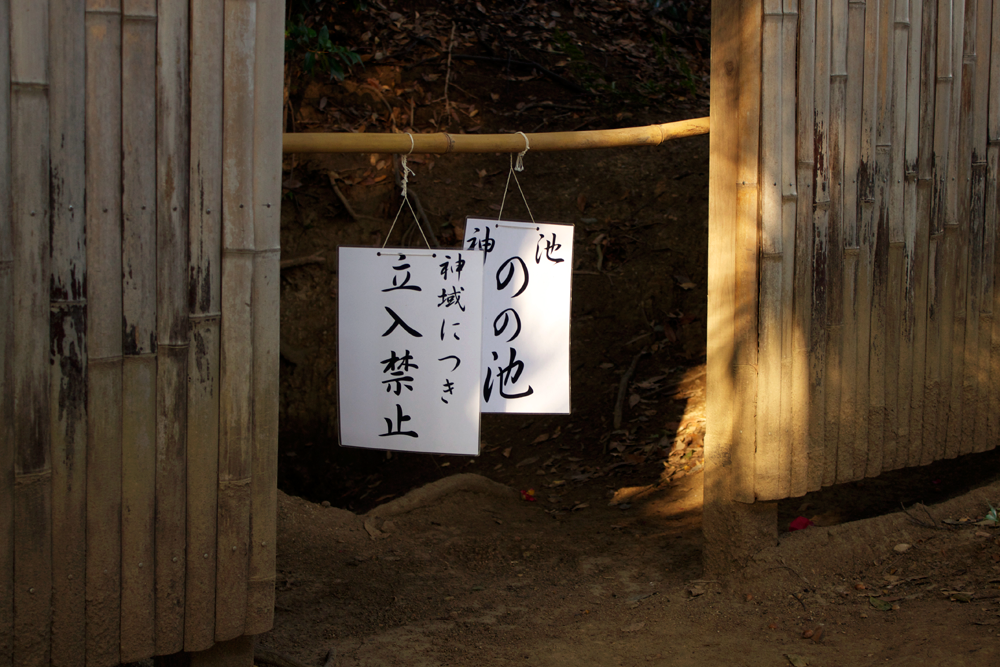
{"type": "Point", "coordinates": [442, 142]}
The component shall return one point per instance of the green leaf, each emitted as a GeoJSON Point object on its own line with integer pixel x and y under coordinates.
{"type": "Point", "coordinates": [881, 605]}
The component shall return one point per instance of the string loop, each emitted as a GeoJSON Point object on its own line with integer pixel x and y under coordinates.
{"type": "Point", "coordinates": [519, 165]}
{"type": "Point", "coordinates": [406, 171]}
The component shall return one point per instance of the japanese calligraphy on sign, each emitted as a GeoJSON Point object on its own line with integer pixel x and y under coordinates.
{"type": "Point", "coordinates": [409, 349]}
{"type": "Point", "coordinates": [527, 282]}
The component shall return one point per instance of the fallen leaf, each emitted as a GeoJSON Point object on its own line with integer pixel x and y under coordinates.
{"type": "Point", "coordinates": [901, 548]}
{"type": "Point", "coordinates": [506, 452]}
{"type": "Point", "coordinates": [527, 461]}
{"type": "Point", "coordinates": [542, 438]}
{"type": "Point", "coordinates": [881, 605]}
{"type": "Point", "coordinates": [581, 506]}
{"type": "Point", "coordinates": [796, 660]}
{"type": "Point", "coordinates": [607, 365]}
{"type": "Point", "coordinates": [633, 400]}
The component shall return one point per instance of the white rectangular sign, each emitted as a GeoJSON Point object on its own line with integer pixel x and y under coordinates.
{"type": "Point", "coordinates": [409, 349]}
{"type": "Point", "coordinates": [528, 277]}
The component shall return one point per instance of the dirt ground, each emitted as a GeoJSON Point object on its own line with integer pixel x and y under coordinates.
{"type": "Point", "coordinates": [570, 540]}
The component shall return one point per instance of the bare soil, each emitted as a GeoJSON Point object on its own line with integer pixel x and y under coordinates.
{"type": "Point", "coordinates": [569, 541]}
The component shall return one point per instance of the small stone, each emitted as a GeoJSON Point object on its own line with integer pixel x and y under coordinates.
{"type": "Point", "coordinates": [807, 634]}
{"type": "Point", "coordinates": [901, 548]}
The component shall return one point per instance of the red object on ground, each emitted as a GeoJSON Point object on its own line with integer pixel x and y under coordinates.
{"type": "Point", "coordinates": [800, 523]}
{"type": "Point", "coordinates": [528, 495]}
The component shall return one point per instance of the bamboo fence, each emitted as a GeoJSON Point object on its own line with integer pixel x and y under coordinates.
{"type": "Point", "coordinates": [885, 221]}
{"type": "Point", "coordinates": [139, 175]}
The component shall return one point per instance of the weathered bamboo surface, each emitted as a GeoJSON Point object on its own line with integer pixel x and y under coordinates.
{"type": "Point", "coordinates": [872, 312]}
{"type": "Point", "coordinates": [114, 326]}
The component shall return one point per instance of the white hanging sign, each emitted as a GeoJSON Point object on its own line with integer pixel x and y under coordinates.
{"type": "Point", "coordinates": [409, 349]}
{"type": "Point", "coordinates": [528, 276]}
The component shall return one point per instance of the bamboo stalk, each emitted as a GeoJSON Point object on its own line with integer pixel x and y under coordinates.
{"type": "Point", "coordinates": [993, 235]}
{"type": "Point", "coordinates": [790, 435]}
{"type": "Point", "coordinates": [770, 461]}
{"type": "Point", "coordinates": [205, 264]}
{"type": "Point", "coordinates": [720, 389]}
{"type": "Point", "coordinates": [68, 385]}
{"type": "Point", "coordinates": [848, 449]}
{"type": "Point", "coordinates": [911, 358]}
{"type": "Point", "coordinates": [268, 100]}
{"type": "Point", "coordinates": [956, 249]}
{"type": "Point", "coordinates": [982, 242]}
{"type": "Point", "coordinates": [30, 216]}
{"type": "Point", "coordinates": [820, 247]}
{"type": "Point", "coordinates": [747, 250]}
{"type": "Point", "coordinates": [441, 142]}
{"type": "Point", "coordinates": [139, 323]}
{"type": "Point", "coordinates": [803, 464]}
{"type": "Point", "coordinates": [925, 172]}
{"type": "Point", "coordinates": [878, 241]}
{"type": "Point", "coordinates": [172, 169]}
{"type": "Point", "coordinates": [104, 331]}
{"type": "Point", "coordinates": [6, 356]}
{"type": "Point", "coordinates": [835, 231]}
{"type": "Point", "coordinates": [898, 348]}
{"type": "Point", "coordinates": [938, 327]}
{"type": "Point", "coordinates": [966, 332]}
{"type": "Point", "coordinates": [236, 407]}
{"type": "Point", "coordinates": [993, 224]}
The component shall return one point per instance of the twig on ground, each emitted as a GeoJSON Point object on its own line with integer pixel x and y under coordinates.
{"type": "Point", "coordinates": [301, 261]}
{"type": "Point", "coordinates": [920, 522]}
{"type": "Point", "coordinates": [343, 200]}
{"type": "Point", "coordinates": [623, 387]}
{"type": "Point", "coordinates": [331, 657]}
{"type": "Point", "coordinates": [794, 571]}
{"type": "Point", "coordinates": [447, 75]}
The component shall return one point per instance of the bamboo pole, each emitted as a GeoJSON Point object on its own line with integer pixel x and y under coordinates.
{"type": "Point", "coordinates": [6, 356]}
{"type": "Point", "coordinates": [898, 349]}
{"type": "Point", "coordinates": [911, 369]}
{"type": "Point", "coordinates": [956, 255]}
{"type": "Point", "coordinates": [804, 406]}
{"type": "Point", "coordinates": [993, 222]}
{"type": "Point", "coordinates": [980, 304]}
{"type": "Point", "coordinates": [205, 264]}
{"type": "Point", "coordinates": [747, 252]}
{"type": "Point", "coordinates": [820, 248]}
{"type": "Point", "coordinates": [938, 388]}
{"type": "Point", "coordinates": [866, 217]}
{"type": "Point", "coordinates": [172, 171]}
{"type": "Point", "coordinates": [268, 101]}
{"type": "Point", "coordinates": [139, 323]}
{"type": "Point", "coordinates": [924, 172]}
{"type": "Point", "coordinates": [878, 241]}
{"type": "Point", "coordinates": [30, 215]}
{"type": "Point", "coordinates": [68, 384]}
{"type": "Point", "coordinates": [104, 330]}
{"type": "Point", "coordinates": [835, 232]}
{"type": "Point", "coordinates": [720, 387]}
{"type": "Point", "coordinates": [441, 142]}
{"type": "Point", "coordinates": [236, 408]}
{"type": "Point", "coordinates": [849, 452]}
{"type": "Point", "coordinates": [962, 429]}
{"type": "Point", "coordinates": [768, 459]}
{"type": "Point", "coordinates": [789, 199]}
